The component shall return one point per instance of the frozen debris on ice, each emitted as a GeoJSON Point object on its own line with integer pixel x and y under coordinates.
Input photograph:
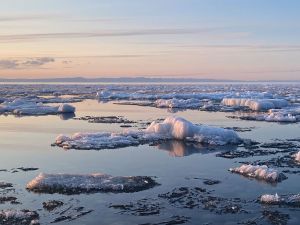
{"type": "Point", "coordinates": [172, 128]}
{"type": "Point", "coordinates": [78, 183]}
{"type": "Point", "coordinates": [297, 156]}
{"type": "Point", "coordinates": [259, 172]}
{"type": "Point", "coordinates": [178, 103]}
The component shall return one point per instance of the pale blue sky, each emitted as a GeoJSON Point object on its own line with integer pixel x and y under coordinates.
{"type": "Point", "coordinates": [231, 39]}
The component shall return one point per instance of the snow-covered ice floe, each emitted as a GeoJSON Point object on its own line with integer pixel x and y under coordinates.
{"type": "Point", "coordinates": [172, 128]}
{"type": "Point", "coordinates": [178, 103]}
{"type": "Point", "coordinates": [256, 104]}
{"type": "Point", "coordinates": [285, 115]}
{"type": "Point", "coordinates": [24, 217]}
{"type": "Point", "coordinates": [259, 172]}
{"type": "Point", "coordinates": [30, 107]}
{"type": "Point", "coordinates": [290, 200]}
{"type": "Point", "coordinates": [87, 183]}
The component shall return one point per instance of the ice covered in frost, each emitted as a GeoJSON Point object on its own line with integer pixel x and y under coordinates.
{"type": "Point", "coordinates": [24, 217]}
{"type": "Point", "coordinates": [22, 106]}
{"type": "Point", "coordinates": [178, 103]}
{"type": "Point", "coordinates": [259, 172]}
{"type": "Point", "coordinates": [98, 182]}
{"type": "Point", "coordinates": [172, 128]}
{"type": "Point", "coordinates": [256, 104]}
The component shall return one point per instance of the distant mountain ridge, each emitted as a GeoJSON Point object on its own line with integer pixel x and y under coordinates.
{"type": "Point", "coordinates": [127, 80]}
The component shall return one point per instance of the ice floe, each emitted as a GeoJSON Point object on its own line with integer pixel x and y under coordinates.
{"type": "Point", "coordinates": [22, 106]}
{"type": "Point", "coordinates": [297, 156]}
{"type": "Point", "coordinates": [256, 104]}
{"type": "Point", "coordinates": [98, 182]}
{"type": "Point", "coordinates": [259, 172]}
{"type": "Point", "coordinates": [172, 128]}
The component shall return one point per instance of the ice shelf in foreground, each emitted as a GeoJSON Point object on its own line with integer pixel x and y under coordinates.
{"type": "Point", "coordinates": [259, 172]}
{"type": "Point", "coordinates": [87, 183]}
{"type": "Point", "coordinates": [256, 104]}
{"type": "Point", "coordinates": [30, 107]}
{"type": "Point", "coordinates": [172, 128]}
{"type": "Point", "coordinates": [290, 200]}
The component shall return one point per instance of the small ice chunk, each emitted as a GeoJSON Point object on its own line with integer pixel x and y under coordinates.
{"type": "Point", "coordinates": [270, 199]}
{"type": "Point", "coordinates": [78, 183]}
{"type": "Point", "coordinates": [259, 172]}
{"type": "Point", "coordinates": [297, 156]}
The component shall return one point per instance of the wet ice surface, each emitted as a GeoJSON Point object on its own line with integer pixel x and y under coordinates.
{"type": "Point", "coordinates": [196, 186]}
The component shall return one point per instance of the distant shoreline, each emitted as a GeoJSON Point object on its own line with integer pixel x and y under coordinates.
{"type": "Point", "coordinates": [135, 80]}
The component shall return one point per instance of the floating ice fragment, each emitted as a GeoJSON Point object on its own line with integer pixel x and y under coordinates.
{"type": "Point", "coordinates": [30, 107]}
{"type": "Point", "coordinates": [178, 103]}
{"type": "Point", "coordinates": [270, 199]}
{"type": "Point", "coordinates": [259, 172]}
{"type": "Point", "coordinates": [77, 183]}
{"type": "Point", "coordinates": [256, 104]}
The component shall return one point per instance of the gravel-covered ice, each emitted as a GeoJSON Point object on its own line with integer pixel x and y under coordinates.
{"type": "Point", "coordinates": [259, 172]}
{"type": "Point", "coordinates": [172, 128]}
{"type": "Point", "coordinates": [78, 183]}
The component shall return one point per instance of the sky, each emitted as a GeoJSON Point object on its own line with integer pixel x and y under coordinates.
{"type": "Point", "coordinates": [215, 39]}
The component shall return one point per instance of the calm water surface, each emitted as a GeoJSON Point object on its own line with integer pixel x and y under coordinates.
{"type": "Point", "coordinates": [26, 141]}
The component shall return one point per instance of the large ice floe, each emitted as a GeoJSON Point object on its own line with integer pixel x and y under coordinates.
{"type": "Point", "coordinates": [289, 200]}
{"type": "Point", "coordinates": [256, 104]}
{"type": "Point", "coordinates": [22, 106]}
{"type": "Point", "coordinates": [259, 172]}
{"type": "Point", "coordinates": [88, 183]}
{"type": "Point", "coordinates": [172, 128]}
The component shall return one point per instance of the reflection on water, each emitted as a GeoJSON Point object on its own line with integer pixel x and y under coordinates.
{"type": "Point", "coordinates": [180, 149]}
{"type": "Point", "coordinates": [66, 116]}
